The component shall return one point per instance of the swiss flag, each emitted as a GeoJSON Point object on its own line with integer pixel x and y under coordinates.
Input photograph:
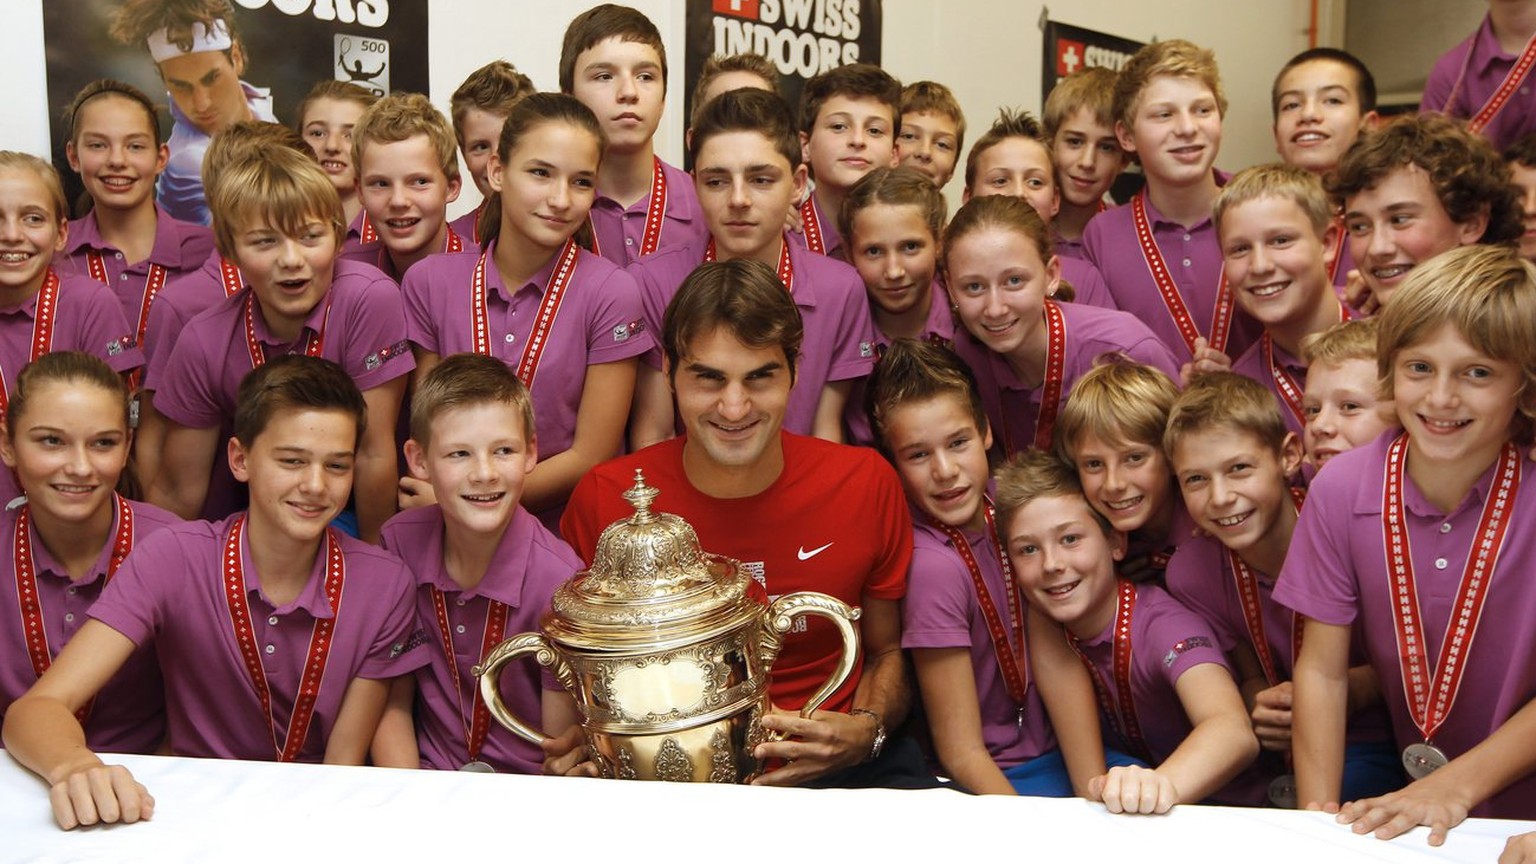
{"type": "Point", "coordinates": [1069, 55]}
{"type": "Point", "coordinates": [738, 8]}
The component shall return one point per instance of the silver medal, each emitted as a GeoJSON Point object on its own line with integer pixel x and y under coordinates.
{"type": "Point", "coordinates": [1421, 760]}
{"type": "Point", "coordinates": [475, 766]}
{"type": "Point", "coordinates": [1282, 791]}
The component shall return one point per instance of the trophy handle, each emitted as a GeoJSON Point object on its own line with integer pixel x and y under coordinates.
{"type": "Point", "coordinates": [781, 617]}
{"type": "Point", "coordinates": [489, 669]}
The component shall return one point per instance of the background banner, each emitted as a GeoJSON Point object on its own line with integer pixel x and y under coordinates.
{"type": "Point", "coordinates": [1068, 49]}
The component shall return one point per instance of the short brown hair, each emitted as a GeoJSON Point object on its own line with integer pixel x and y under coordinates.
{"type": "Point", "coordinates": [295, 382]}
{"type": "Point", "coordinates": [1226, 400]}
{"type": "Point", "coordinates": [1488, 293]}
{"type": "Point", "coordinates": [607, 21]}
{"type": "Point", "coordinates": [463, 381]}
{"type": "Point", "coordinates": [1276, 180]}
{"type": "Point", "coordinates": [135, 20]}
{"type": "Point", "coordinates": [1092, 88]}
{"type": "Point", "coordinates": [746, 298]}
{"type": "Point", "coordinates": [341, 91]}
{"type": "Point", "coordinates": [1468, 175]}
{"type": "Point", "coordinates": [855, 81]}
{"type": "Point", "coordinates": [250, 138]}
{"type": "Point", "coordinates": [278, 186]}
{"type": "Point", "coordinates": [1118, 400]}
{"type": "Point", "coordinates": [747, 110]}
{"type": "Point", "coordinates": [1347, 340]}
{"type": "Point", "coordinates": [15, 160]}
{"type": "Point", "coordinates": [915, 370]}
{"type": "Point", "coordinates": [934, 98]}
{"type": "Point", "coordinates": [1522, 152]}
{"type": "Point", "coordinates": [894, 187]}
{"type": "Point", "coordinates": [1030, 475]}
{"type": "Point", "coordinates": [109, 87]}
{"type": "Point", "coordinates": [1365, 82]}
{"type": "Point", "coordinates": [1177, 58]}
{"type": "Point", "coordinates": [1010, 123]}
{"type": "Point", "coordinates": [493, 88]}
{"type": "Point", "coordinates": [720, 64]}
{"type": "Point", "coordinates": [400, 117]}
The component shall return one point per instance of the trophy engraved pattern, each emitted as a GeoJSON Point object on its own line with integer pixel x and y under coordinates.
{"type": "Point", "coordinates": [722, 760]}
{"type": "Point", "coordinates": [672, 762]}
{"type": "Point", "coordinates": [626, 767]}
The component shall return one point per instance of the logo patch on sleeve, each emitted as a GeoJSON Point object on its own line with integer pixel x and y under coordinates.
{"type": "Point", "coordinates": [119, 345]}
{"type": "Point", "coordinates": [866, 350]}
{"type": "Point", "coordinates": [622, 332]}
{"type": "Point", "coordinates": [1184, 645]}
{"type": "Point", "coordinates": [379, 358]}
{"type": "Point", "coordinates": [417, 638]}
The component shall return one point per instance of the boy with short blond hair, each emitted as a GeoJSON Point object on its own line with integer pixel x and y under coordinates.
{"type": "Point", "coordinates": [1079, 123]}
{"type": "Point", "coordinates": [932, 130]}
{"type": "Point", "coordinates": [613, 60]}
{"type": "Point", "coordinates": [484, 566]}
{"type": "Point", "coordinates": [478, 109]}
{"type": "Point", "coordinates": [849, 119]}
{"type": "Point", "coordinates": [1342, 402]}
{"type": "Point", "coordinates": [1234, 459]}
{"type": "Point", "coordinates": [1276, 231]}
{"type": "Point", "coordinates": [723, 73]}
{"type": "Point", "coordinates": [408, 173]}
{"type": "Point", "coordinates": [1168, 110]}
{"type": "Point", "coordinates": [1452, 182]}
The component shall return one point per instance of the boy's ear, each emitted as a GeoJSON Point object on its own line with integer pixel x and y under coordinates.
{"type": "Point", "coordinates": [416, 460]}
{"type": "Point", "coordinates": [239, 460]}
{"type": "Point", "coordinates": [800, 177]}
{"type": "Point", "coordinates": [1371, 120]}
{"type": "Point", "coordinates": [805, 149]}
{"type": "Point", "coordinates": [986, 435]}
{"type": "Point", "coordinates": [1117, 544]}
{"type": "Point", "coordinates": [1470, 231]}
{"type": "Point", "coordinates": [1124, 136]}
{"type": "Point", "coordinates": [455, 185]}
{"type": "Point", "coordinates": [1290, 454]}
{"type": "Point", "coordinates": [1330, 242]}
{"type": "Point", "coordinates": [531, 458]}
{"type": "Point", "coordinates": [237, 58]}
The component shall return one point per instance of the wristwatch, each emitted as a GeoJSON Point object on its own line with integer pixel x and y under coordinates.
{"type": "Point", "coordinates": [879, 742]}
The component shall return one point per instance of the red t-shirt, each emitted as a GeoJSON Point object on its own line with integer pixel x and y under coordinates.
{"type": "Point", "coordinates": [835, 521]}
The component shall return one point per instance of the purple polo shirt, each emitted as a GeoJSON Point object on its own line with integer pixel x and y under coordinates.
{"type": "Point", "coordinates": [180, 247]}
{"type": "Point", "coordinates": [88, 318]}
{"type": "Point", "coordinates": [599, 321]}
{"type": "Point", "coordinates": [363, 321]}
{"type": "Point", "coordinates": [940, 327]}
{"type": "Point", "coordinates": [530, 563]}
{"type": "Point", "coordinates": [620, 230]}
{"type": "Point", "coordinates": [1465, 76]}
{"type": "Point", "coordinates": [942, 611]}
{"type": "Point", "coordinates": [1193, 256]}
{"type": "Point", "coordinates": [169, 594]}
{"type": "Point", "coordinates": [831, 239]}
{"type": "Point", "coordinates": [1066, 248]}
{"type": "Point", "coordinates": [468, 225]}
{"type": "Point", "coordinates": [839, 333]}
{"type": "Point", "coordinates": [1087, 285]}
{"type": "Point", "coordinates": [182, 300]}
{"type": "Point", "coordinates": [1167, 640]}
{"type": "Point", "coordinates": [1013, 408]}
{"type": "Point", "coordinates": [129, 714]}
{"type": "Point", "coordinates": [377, 255]}
{"type": "Point", "coordinates": [352, 246]}
{"type": "Point", "coordinates": [1336, 572]}
{"type": "Point", "coordinates": [1253, 365]}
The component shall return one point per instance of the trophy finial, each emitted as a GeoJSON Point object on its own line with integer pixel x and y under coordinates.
{"type": "Point", "coordinates": [640, 497]}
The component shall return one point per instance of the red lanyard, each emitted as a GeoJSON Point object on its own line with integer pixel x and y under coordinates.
{"type": "Point", "coordinates": [1253, 614]}
{"type": "Point", "coordinates": [319, 639]}
{"type": "Point", "coordinates": [229, 277]}
{"type": "Point", "coordinates": [28, 600]}
{"type": "Point", "coordinates": [452, 243]}
{"type": "Point", "coordinates": [1221, 317]}
{"type": "Point", "coordinates": [1430, 701]}
{"type": "Point", "coordinates": [1501, 94]}
{"type": "Point", "coordinates": [313, 342]}
{"type": "Point", "coordinates": [478, 724]}
{"type": "Point", "coordinates": [1050, 388]}
{"type": "Point", "coordinates": [44, 317]}
{"type": "Point", "coordinates": [153, 282]}
{"type": "Point", "coordinates": [1120, 711]}
{"type": "Point", "coordinates": [786, 267]}
{"type": "Point", "coordinates": [815, 240]}
{"type": "Point", "coordinates": [1010, 653]}
{"type": "Point", "coordinates": [549, 307]}
{"type": "Point", "coordinates": [655, 210]}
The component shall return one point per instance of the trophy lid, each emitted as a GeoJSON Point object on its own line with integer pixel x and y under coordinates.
{"type": "Point", "coordinates": [649, 584]}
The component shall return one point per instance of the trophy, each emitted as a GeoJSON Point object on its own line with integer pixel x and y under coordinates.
{"type": "Point", "coordinates": [667, 650]}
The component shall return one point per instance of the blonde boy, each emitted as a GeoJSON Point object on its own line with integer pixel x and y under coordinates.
{"type": "Point", "coordinates": [1342, 403]}
{"type": "Point", "coordinates": [1160, 255]}
{"type": "Point", "coordinates": [613, 60]}
{"type": "Point", "coordinates": [723, 73]}
{"type": "Point", "coordinates": [849, 119]}
{"type": "Point", "coordinates": [1277, 233]}
{"type": "Point", "coordinates": [408, 173]}
{"type": "Point", "coordinates": [932, 130]}
{"type": "Point", "coordinates": [1079, 123]}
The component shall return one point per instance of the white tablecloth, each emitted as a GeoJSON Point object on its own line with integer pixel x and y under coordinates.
{"type": "Point", "coordinates": [213, 811]}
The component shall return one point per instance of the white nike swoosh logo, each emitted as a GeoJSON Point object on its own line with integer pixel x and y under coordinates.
{"type": "Point", "coordinates": [806, 556]}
